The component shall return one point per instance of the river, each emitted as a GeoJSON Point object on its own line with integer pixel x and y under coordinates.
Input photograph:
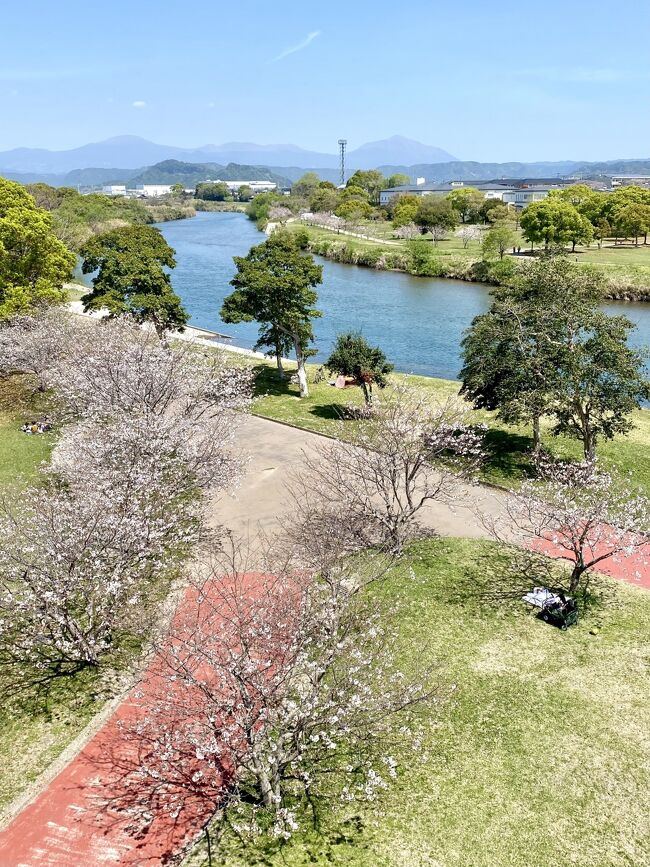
{"type": "Point", "coordinates": [418, 322]}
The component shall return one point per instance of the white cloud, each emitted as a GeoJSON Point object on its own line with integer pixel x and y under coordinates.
{"type": "Point", "coordinates": [299, 47]}
{"type": "Point", "coordinates": [139, 103]}
{"type": "Point", "coordinates": [211, 105]}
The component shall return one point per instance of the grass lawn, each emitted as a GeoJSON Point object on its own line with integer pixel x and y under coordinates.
{"type": "Point", "coordinates": [20, 454]}
{"type": "Point", "coordinates": [507, 446]}
{"type": "Point", "coordinates": [540, 757]}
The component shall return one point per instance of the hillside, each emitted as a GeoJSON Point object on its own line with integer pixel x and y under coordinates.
{"type": "Point", "coordinates": [190, 174]}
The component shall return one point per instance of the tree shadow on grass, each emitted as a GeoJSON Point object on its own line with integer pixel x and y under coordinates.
{"type": "Point", "coordinates": [508, 454]}
{"type": "Point", "coordinates": [268, 383]}
{"type": "Point", "coordinates": [331, 411]}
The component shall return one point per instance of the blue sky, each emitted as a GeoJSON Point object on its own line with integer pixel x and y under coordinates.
{"type": "Point", "coordinates": [485, 81]}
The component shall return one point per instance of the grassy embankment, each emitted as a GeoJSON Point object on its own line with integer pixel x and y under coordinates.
{"type": "Point", "coordinates": [34, 727]}
{"type": "Point", "coordinates": [626, 267]}
{"type": "Point", "coordinates": [508, 447]}
{"type": "Point", "coordinates": [541, 754]}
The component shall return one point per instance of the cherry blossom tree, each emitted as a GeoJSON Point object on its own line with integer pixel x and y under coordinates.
{"type": "Point", "coordinates": [408, 232]}
{"type": "Point", "coordinates": [125, 369]}
{"type": "Point", "coordinates": [32, 344]}
{"type": "Point", "coordinates": [412, 451]}
{"type": "Point", "coordinates": [580, 514]}
{"type": "Point", "coordinates": [467, 234]}
{"type": "Point", "coordinates": [280, 214]}
{"type": "Point", "coordinates": [276, 693]}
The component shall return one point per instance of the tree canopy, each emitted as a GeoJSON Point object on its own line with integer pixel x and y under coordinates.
{"type": "Point", "coordinates": [352, 355]}
{"type": "Point", "coordinates": [213, 192]}
{"type": "Point", "coordinates": [546, 348]}
{"type": "Point", "coordinates": [132, 279]}
{"type": "Point", "coordinates": [34, 263]}
{"type": "Point", "coordinates": [554, 222]}
{"type": "Point", "coordinates": [274, 286]}
{"type": "Point", "coordinates": [467, 201]}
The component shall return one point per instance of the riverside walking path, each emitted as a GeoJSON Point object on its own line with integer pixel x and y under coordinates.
{"type": "Point", "coordinates": [66, 824]}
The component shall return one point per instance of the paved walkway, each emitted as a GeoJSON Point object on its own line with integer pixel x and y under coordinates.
{"type": "Point", "coordinates": [65, 826]}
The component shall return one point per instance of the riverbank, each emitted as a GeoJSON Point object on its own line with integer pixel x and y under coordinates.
{"type": "Point", "coordinates": [419, 323]}
{"type": "Point", "coordinates": [627, 280]}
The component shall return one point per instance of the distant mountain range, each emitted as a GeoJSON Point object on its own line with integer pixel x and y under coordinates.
{"type": "Point", "coordinates": [131, 152]}
{"type": "Point", "coordinates": [129, 159]}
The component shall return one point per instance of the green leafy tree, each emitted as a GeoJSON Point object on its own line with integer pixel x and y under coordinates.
{"type": "Point", "coordinates": [324, 200]}
{"type": "Point", "coordinates": [354, 356]}
{"type": "Point", "coordinates": [352, 191]}
{"type": "Point", "coordinates": [397, 180]}
{"type": "Point", "coordinates": [354, 210]}
{"type": "Point", "coordinates": [467, 201]}
{"type": "Point", "coordinates": [601, 379]}
{"type": "Point", "coordinates": [547, 348]}
{"type": "Point", "coordinates": [371, 181]}
{"type": "Point", "coordinates": [213, 192]}
{"type": "Point", "coordinates": [47, 197]}
{"type": "Point", "coordinates": [634, 220]}
{"type": "Point", "coordinates": [435, 215]}
{"type": "Point", "coordinates": [554, 222]}
{"type": "Point", "coordinates": [305, 186]}
{"type": "Point", "coordinates": [404, 209]}
{"type": "Point", "coordinates": [274, 286]}
{"type": "Point", "coordinates": [602, 230]}
{"type": "Point", "coordinates": [177, 189]}
{"type": "Point", "coordinates": [245, 193]}
{"type": "Point", "coordinates": [259, 207]}
{"type": "Point", "coordinates": [494, 211]}
{"type": "Point", "coordinates": [505, 367]}
{"type": "Point", "coordinates": [132, 279]}
{"type": "Point", "coordinates": [498, 240]}
{"type": "Point", "coordinates": [34, 263]}
{"type": "Point", "coordinates": [422, 257]}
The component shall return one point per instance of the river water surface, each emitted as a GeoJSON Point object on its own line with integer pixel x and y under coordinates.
{"type": "Point", "coordinates": [417, 321]}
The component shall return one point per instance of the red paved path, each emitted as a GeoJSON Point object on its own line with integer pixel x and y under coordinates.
{"type": "Point", "coordinates": [634, 569]}
{"type": "Point", "coordinates": [69, 825]}
{"type": "Point", "coordinates": [66, 827]}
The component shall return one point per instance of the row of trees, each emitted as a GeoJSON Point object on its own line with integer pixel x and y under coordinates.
{"type": "Point", "coordinates": [85, 557]}
{"type": "Point", "coordinates": [219, 191]}
{"type": "Point", "coordinates": [579, 214]}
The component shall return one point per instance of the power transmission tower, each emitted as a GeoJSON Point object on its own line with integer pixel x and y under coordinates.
{"type": "Point", "coordinates": [342, 145]}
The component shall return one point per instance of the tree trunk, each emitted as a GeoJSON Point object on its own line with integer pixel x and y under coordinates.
{"type": "Point", "coordinates": [278, 361]}
{"type": "Point", "coordinates": [573, 248]}
{"type": "Point", "coordinates": [576, 575]}
{"type": "Point", "coordinates": [537, 439]}
{"type": "Point", "coordinates": [367, 394]}
{"type": "Point", "coordinates": [302, 373]}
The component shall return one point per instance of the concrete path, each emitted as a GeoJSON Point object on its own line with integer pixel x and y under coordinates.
{"type": "Point", "coordinates": [276, 448]}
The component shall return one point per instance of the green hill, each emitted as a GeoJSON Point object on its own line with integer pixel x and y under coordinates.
{"type": "Point", "coordinates": [190, 174]}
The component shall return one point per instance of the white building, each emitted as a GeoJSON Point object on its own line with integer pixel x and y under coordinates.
{"type": "Point", "coordinates": [114, 189]}
{"type": "Point", "coordinates": [152, 191]}
{"type": "Point", "coordinates": [256, 186]}
{"type": "Point", "coordinates": [490, 189]}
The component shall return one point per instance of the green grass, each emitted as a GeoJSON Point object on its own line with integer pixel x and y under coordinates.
{"type": "Point", "coordinates": [508, 447]}
{"type": "Point", "coordinates": [541, 756]}
{"type": "Point", "coordinates": [35, 728]}
{"type": "Point", "coordinates": [20, 454]}
{"type": "Point", "coordinates": [626, 266]}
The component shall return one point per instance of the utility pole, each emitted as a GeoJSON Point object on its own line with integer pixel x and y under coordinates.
{"type": "Point", "coordinates": [342, 145]}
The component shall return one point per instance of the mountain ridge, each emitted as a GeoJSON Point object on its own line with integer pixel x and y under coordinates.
{"type": "Point", "coordinates": [129, 152]}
